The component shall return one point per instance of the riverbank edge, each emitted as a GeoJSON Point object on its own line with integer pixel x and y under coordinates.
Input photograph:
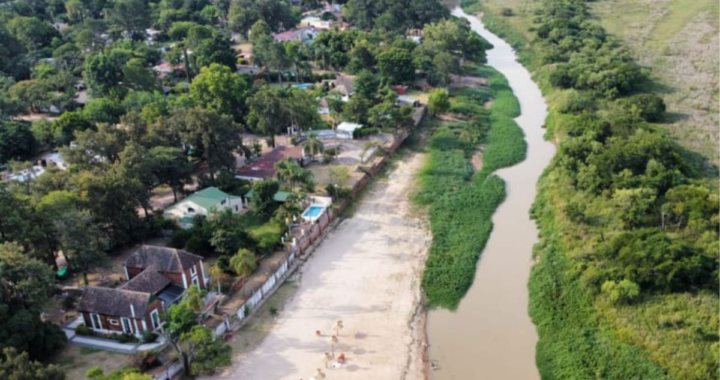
{"type": "Point", "coordinates": [446, 279]}
{"type": "Point", "coordinates": [551, 255]}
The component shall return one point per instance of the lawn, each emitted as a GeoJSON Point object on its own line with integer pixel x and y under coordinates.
{"type": "Point", "coordinates": [75, 361]}
{"type": "Point", "coordinates": [262, 229]}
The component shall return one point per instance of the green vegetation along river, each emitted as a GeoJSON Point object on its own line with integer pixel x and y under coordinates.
{"type": "Point", "coordinates": [490, 334]}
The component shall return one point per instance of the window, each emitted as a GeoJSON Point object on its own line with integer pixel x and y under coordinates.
{"type": "Point", "coordinates": [236, 208]}
{"type": "Point", "coordinates": [190, 209]}
{"type": "Point", "coordinates": [127, 328]}
{"type": "Point", "coordinates": [195, 281]}
{"type": "Point", "coordinates": [113, 322]}
{"type": "Point", "coordinates": [155, 318]}
{"type": "Point", "coordinates": [193, 270]}
{"type": "Point", "coordinates": [223, 202]}
{"type": "Point", "coordinates": [96, 323]}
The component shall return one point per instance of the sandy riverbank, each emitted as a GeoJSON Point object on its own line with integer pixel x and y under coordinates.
{"type": "Point", "coordinates": [367, 274]}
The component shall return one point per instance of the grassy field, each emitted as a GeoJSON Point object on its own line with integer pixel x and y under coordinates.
{"type": "Point", "coordinates": [75, 361]}
{"type": "Point", "coordinates": [678, 40]}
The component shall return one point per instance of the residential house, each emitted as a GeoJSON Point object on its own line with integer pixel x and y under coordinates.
{"type": "Point", "coordinates": [202, 203]}
{"type": "Point", "coordinates": [157, 278]}
{"type": "Point", "coordinates": [264, 167]}
{"type": "Point", "coordinates": [305, 35]}
{"type": "Point", "coordinates": [344, 84]}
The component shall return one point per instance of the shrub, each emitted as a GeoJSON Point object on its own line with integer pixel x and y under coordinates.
{"type": "Point", "coordinates": [365, 131]}
{"type": "Point", "coordinates": [648, 106]}
{"type": "Point", "coordinates": [149, 337]}
{"type": "Point", "coordinates": [576, 102]}
{"type": "Point", "coordinates": [623, 292]}
{"type": "Point", "coordinates": [180, 238]}
{"type": "Point", "coordinates": [438, 101]}
{"type": "Point", "coordinates": [84, 330]}
{"type": "Point", "coordinates": [126, 338]}
{"type": "Point", "coordinates": [507, 12]}
{"type": "Point", "coordinates": [560, 77]}
{"type": "Point", "coordinates": [94, 372]}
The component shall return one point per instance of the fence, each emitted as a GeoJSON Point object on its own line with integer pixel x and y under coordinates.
{"type": "Point", "coordinates": [171, 371]}
{"type": "Point", "coordinates": [265, 289]}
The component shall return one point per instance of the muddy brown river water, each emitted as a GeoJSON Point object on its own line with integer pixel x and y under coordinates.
{"type": "Point", "coordinates": [490, 336]}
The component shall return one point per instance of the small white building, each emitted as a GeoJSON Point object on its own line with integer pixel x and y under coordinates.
{"type": "Point", "coordinates": [202, 203]}
{"type": "Point", "coordinates": [345, 130]}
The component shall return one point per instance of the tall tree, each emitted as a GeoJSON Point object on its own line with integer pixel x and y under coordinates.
{"type": "Point", "coordinates": [171, 167]}
{"type": "Point", "coordinates": [215, 136]}
{"type": "Point", "coordinates": [102, 74]}
{"type": "Point", "coordinates": [219, 89]}
{"type": "Point", "coordinates": [228, 233]}
{"type": "Point", "coordinates": [131, 16]}
{"type": "Point", "coordinates": [15, 365]}
{"type": "Point", "coordinates": [263, 201]}
{"type": "Point", "coordinates": [82, 242]}
{"type": "Point", "coordinates": [16, 141]}
{"type": "Point", "coordinates": [397, 65]}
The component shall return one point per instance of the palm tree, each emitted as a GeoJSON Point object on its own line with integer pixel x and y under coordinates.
{"type": "Point", "coordinates": [287, 171]}
{"type": "Point", "coordinates": [217, 273]}
{"type": "Point", "coordinates": [244, 262]}
{"type": "Point", "coordinates": [314, 146]}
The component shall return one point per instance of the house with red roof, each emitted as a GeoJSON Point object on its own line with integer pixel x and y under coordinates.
{"type": "Point", "coordinates": [305, 35]}
{"type": "Point", "coordinates": [264, 167]}
{"type": "Point", "coordinates": [157, 278]}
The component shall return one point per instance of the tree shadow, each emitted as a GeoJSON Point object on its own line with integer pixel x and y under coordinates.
{"type": "Point", "coordinates": [698, 164]}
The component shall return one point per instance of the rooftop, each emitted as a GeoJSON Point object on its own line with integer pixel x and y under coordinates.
{"type": "Point", "coordinates": [148, 281]}
{"type": "Point", "coordinates": [163, 259]}
{"type": "Point", "coordinates": [264, 167]}
{"type": "Point", "coordinates": [115, 302]}
{"type": "Point", "coordinates": [206, 198]}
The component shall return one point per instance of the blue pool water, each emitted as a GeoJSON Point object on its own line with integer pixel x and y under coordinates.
{"type": "Point", "coordinates": [312, 212]}
{"type": "Point", "coordinates": [304, 86]}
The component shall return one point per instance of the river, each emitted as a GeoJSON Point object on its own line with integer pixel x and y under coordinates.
{"type": "Point", "coordinates": [490, 335]}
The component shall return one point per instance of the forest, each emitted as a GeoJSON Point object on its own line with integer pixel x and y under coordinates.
{"type": "Point", "coordinates": [625, 284]}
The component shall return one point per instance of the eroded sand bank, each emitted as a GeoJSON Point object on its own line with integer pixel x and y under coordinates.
{"type": "Point", "coordinates": [365, 273]}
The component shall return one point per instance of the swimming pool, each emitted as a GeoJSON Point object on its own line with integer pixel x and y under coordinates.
{"type": "Point", "coordinates": [304, 86]}
{"type": "Point", "coordinates": [313, 212]}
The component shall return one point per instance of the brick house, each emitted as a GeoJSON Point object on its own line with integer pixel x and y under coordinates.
{"type": "Point", "coordinates": [157, 278]}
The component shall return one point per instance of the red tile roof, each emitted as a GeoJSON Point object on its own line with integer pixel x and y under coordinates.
{"type": "Point", "coordinates": [264, 167]}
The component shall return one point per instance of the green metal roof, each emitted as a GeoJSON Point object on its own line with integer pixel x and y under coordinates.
{"type": "Point", "coordinates": [207, 197]}
{"type": "Point", "coordinates": [280, 196]}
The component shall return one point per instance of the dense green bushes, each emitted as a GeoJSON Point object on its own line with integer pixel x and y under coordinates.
{"type": "Point", "coordinates": [625, 284]}
{"type": "Point", "coordinates": [462, 202]}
